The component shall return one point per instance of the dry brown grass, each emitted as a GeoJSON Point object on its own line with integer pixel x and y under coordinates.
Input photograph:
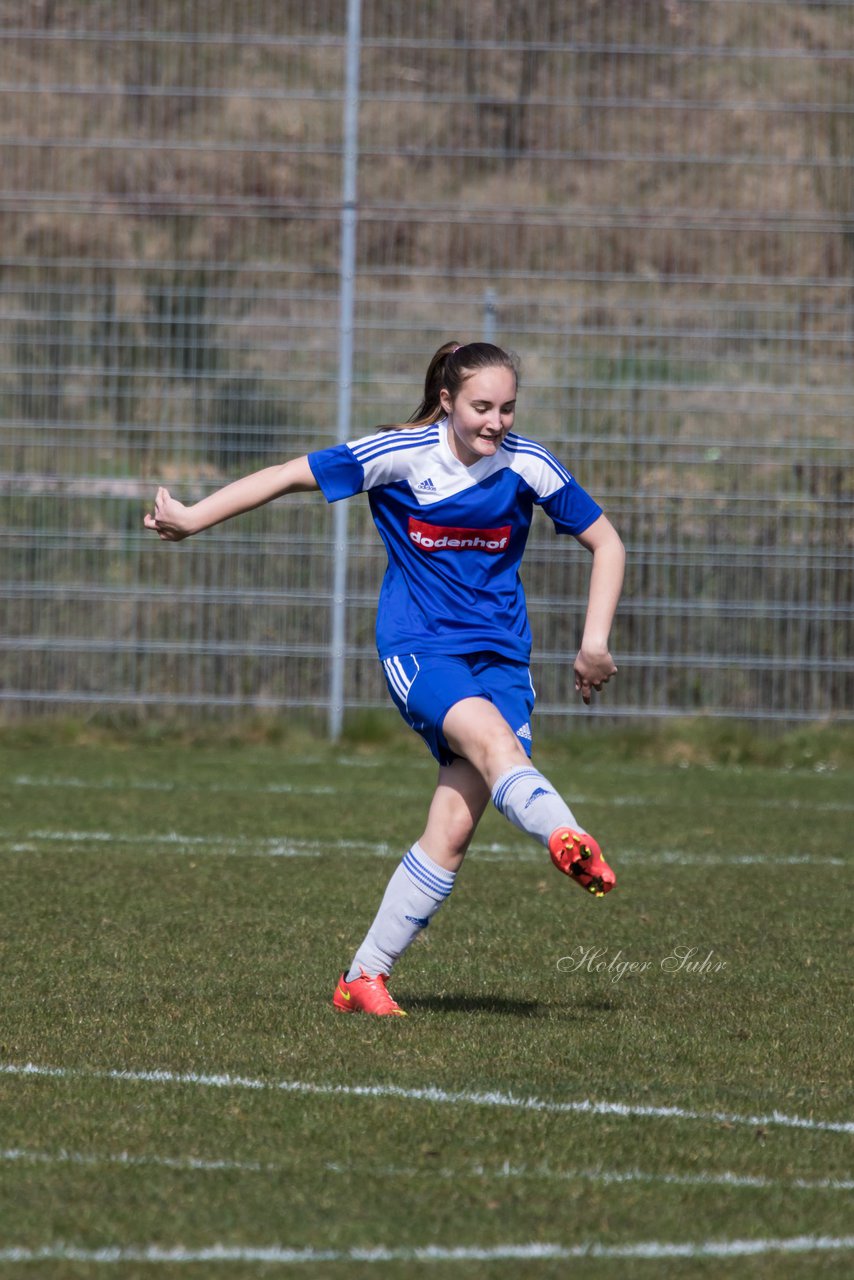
{"type": "Point", "coordinates": [504, 87]}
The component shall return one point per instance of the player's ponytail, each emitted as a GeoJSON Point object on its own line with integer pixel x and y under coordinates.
{"type": "Point", "coordinates": [450, 367]}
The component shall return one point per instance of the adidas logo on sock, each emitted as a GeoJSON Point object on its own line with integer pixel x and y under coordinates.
{"type": "Point", "coordinates": [426, 486]}
{"type": "Point", "coordinates": [535, 795]}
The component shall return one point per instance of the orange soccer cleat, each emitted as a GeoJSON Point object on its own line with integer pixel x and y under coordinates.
{"type": "Point", "coordinates": [366, 995]}
{"type": "Point", "coordinates": [578, 855]}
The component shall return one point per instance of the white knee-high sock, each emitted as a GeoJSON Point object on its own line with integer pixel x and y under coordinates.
{"type": "Point", "coordinates": [530, 802]}
{"type": "Point", "coordinates": [414, 894]}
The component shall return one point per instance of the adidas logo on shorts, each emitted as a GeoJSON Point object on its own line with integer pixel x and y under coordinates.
{"type": "Point", "coordinates": [524, 732]}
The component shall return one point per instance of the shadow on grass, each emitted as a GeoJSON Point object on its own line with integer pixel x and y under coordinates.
{"type": "Point", "coordinates": [465, 1002]}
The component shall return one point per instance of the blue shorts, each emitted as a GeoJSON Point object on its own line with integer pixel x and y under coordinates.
{"type": "Point", "coordinates": [424, 687]}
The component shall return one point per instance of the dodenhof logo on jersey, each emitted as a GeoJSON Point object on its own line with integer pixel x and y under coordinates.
{"type": "Point", "coordinates": [440, 537]}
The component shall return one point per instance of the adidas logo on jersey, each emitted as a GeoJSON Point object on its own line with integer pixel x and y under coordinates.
{"type": "Point", "coordinates": [426, 486]}
{"type": "Point", "coordinates": [524, 732]}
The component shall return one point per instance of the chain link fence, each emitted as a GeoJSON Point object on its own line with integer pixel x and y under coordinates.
{"type": "Point", "coordinates": [653, 204]}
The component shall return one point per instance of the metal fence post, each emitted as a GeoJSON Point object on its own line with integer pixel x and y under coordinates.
{"type": "Point", "coordinates": [489, 315]}
{"type": "Point", "coordinates": [345, 360]}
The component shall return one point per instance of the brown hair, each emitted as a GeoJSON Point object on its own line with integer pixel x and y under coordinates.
{"type": "Point", "coordinates": [450, 367]}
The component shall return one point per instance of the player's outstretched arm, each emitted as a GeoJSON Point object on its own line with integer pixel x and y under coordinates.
{"type": "Point", "coordinates": [594, 665]}
{"type": "Point", "coordinates": [172, 521]}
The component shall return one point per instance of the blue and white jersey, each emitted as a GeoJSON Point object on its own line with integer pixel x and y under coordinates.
{"type": "Point", "coordinates": [454, 534]}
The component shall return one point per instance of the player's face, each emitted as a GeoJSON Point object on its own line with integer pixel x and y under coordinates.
{"type": "Point", "coordinates": [481, 415]}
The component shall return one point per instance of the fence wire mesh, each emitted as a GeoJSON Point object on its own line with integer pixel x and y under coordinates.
{"type": "Point", "coordinates": [653, 204]}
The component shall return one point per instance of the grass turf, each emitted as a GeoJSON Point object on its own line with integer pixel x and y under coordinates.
{"type": "Point", "coordinates": [186, 909]}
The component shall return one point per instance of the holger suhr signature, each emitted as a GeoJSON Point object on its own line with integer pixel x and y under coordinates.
{"type": "Point", "coordinates": [692, 961]}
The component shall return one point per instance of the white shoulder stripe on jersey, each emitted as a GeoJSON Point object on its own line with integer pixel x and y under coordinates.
{"type": "Point", "coordinates": [398, 438]}
{"type": "Point", "coordinates": [390, 442]}
{"type": "Point", "coordinates": [522, 444]}
{"type": "Point", "coordinates": [530, 448]}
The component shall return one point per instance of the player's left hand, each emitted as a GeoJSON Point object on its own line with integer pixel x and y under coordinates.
{"type": "Point", "coordinates": [593, 669]}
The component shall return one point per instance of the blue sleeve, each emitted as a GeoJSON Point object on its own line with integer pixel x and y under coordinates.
{"type": "Point", "coordinates": [571, 509]}
{"type": "Point", "coordinates": [337, 471]}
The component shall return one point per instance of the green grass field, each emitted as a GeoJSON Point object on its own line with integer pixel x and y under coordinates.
{"type": "Point", "coordinates": [183, 909]}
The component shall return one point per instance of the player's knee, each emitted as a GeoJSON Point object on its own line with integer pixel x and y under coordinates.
{"type": "Point", "coordinates": [449, 846]}
{"type": "Point", "coordinates": [459, 834]}
{"type": "Point", "coordinates": [449, 833]}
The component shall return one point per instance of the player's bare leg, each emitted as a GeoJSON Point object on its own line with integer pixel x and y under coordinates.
{"type": "Point", "coordinates": [416, 890]}
{"type": "Point", "coordinates": [458, 803]}
{"type": "Point", "coordinates": [476, 729]}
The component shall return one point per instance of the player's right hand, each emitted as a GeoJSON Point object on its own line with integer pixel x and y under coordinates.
{"type": "Point", "coordinates": [170, 520]}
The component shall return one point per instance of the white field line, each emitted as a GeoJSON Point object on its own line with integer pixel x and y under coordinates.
{"type": "Point", "coordinates": [431, 1093]}
{"type": "Point", "coordinates": [287, 788]}
{"type": "Point", "coordinates": [118, 784]}
{"type": "Point", "coordinates": [720, 802]}
{"type": "Point", "coordinates": [505, 1171]}
{"type": "Point", "coordinates": [652, 1250]}
{"type": "Point", "coordinates": [174, 841]}
{"type": "Point", "coordinates": [21, 1155]}
{"type": "Point", "coordinates": [271, 847]}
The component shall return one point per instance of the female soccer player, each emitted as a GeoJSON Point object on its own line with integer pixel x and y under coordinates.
{"type": "Point", "coordinates": [452, 493]}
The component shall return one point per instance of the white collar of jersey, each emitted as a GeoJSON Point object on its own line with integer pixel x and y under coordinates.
{"type": "Point", "coordinates": [437, 473]}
